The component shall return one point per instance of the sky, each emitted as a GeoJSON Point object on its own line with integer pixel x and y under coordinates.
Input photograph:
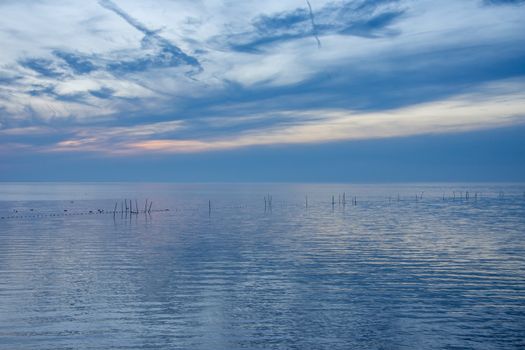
{"type": "Point", "coordinates": [307, 91]}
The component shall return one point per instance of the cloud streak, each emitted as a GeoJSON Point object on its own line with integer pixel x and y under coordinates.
{"type": "Point", "coordinates": [497, 105]}
{"type": "Point", "coordinates": [370, 19]}
{"type": "Point", "coordinates": [168, 55]}
{"type": "Point", "coordinates": [456, 115]}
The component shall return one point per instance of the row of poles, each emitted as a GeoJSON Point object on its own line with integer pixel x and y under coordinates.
{"type": "Point", "coordinates": [341, 200]}
{"type": "Point", "coordinates": [127, 207]}
{"type": "Point", "coordinates": [467, 195]}
{"type": "Point", "coordinates": [455, 195]}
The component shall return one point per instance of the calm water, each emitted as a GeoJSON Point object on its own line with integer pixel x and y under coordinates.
{"type": "Point", "coordinates": [388, 273]}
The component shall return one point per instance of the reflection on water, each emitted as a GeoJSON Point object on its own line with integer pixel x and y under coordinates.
{"type": "Point", "coordinates": [386, 273]}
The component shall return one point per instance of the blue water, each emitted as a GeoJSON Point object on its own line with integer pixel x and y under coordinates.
{"type": "Point", "coordinates": [392, 272]}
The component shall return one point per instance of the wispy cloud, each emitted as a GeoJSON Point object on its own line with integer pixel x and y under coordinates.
{"type": "Point", "coordinates": [460, 114]}
{"type": "Point", "coordinates": [111, 139]}
{"type": "Point", "coordinates": [201, 76]}
{"type": "Point", "coordinates": [165, 54]}
{"type": "Point", "coordinates": [497, 105]}
{"type": "Point", "coordinates": [504, 2]}
{"type": "Point", "coordinates": [80, 64]}
{"type": "Point", "coordinates": [44, 67]}
{"type": "Point", "coordinates": [354, 18]}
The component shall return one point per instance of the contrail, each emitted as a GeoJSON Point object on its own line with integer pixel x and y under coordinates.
{"type": "Point", "coordinates": [314, 27]}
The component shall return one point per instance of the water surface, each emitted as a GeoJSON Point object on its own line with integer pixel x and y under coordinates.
{"type": "Point", "coordinates": [410, 266]}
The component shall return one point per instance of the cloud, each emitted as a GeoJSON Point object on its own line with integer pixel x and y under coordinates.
{"type": "Point", "coordinates": [503, 2]}
{"type": "Point", "coordinates": [355, 18]}
{"type": "Point", "coordinates": [495, 105]}
{"type": "Point", "coordinates": [62, 80]}
{"type": "Point", "coordinates": [79, 63]}
{"type": "Point", "coordinates": [29, 130]}
{"type": "Point", "coordinates": [160, 52]}
{"type": "Point", "coordinates": [103, 93]}
{"type": "Point", "coordinates": [110, 139]}
{"type": "Point", "coordinates": [460, 114]}
{"type": "Point", "coordinates": [44, 67]}
{"type": "Point", "coordinates": [248, 73]}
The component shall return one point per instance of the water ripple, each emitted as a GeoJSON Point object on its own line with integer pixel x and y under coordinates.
{"type": "Point", "coordinates": [427, 273]}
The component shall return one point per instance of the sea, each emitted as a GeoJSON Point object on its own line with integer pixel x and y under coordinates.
{"type": "Point", "coordinates": [262, 266]}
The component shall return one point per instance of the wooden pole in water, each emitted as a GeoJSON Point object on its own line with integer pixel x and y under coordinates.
{"type": "Point", "coordinates": [149, 209]}
{"type": "Point", "coordinates": [146, 206]}
{"type": "Point", "coordinates": [115, 210]}
{"type": "Point", "coordinates": [333, 201]}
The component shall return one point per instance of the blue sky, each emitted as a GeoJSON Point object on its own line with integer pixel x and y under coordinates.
{"type": "Point", "coordinates": [377, 90]}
